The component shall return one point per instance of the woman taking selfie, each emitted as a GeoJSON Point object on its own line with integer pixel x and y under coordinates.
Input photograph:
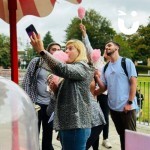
{"type": "Point", "coordinates": [73, 108]}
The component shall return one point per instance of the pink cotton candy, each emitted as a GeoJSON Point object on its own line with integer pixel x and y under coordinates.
{"type": "Point", "coordinates": [61, 56]}
{"type": "Point", "coordinates": [81, 12]}
{"type": "Point", "coordinates": [95, 55]}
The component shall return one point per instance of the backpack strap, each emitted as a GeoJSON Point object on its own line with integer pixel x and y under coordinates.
{"type": "Point", "coordinates": [105, 67]}
{"type": "Point", "coordinates": [36, 66]}
{"type": "Point", "coordinates": [123, 64]}
{"type": "Point", "coordinates": [35, 69]}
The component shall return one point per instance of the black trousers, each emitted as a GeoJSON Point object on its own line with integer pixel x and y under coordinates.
{"type": "Point", "coordinates": [103, 102]}
{"type": "Point", "coordinates": [124, 121]}
{"type": "Point", "coordinates": [47, 128]}
{"type": "Point", "coordinates": [95, 132]}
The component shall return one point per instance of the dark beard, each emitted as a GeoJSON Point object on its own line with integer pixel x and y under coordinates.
{"type": "Point", "coordinates": [110, 53]}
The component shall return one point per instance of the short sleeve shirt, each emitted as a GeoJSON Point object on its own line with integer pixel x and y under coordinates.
{"type": "Point", "coordinates": [118, 85]}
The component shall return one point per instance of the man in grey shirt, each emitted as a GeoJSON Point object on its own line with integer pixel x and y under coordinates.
{"type": "Point", "coordinates": [35, 85]}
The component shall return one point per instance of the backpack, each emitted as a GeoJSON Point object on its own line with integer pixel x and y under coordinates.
{"type": "Point", "coordinates": [35, 69]}
{"type": "Point", "coordinates": [123, 64]}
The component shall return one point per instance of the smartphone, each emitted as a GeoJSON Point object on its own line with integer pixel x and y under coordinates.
{"type": "Point", "coordinates": [30, 29]}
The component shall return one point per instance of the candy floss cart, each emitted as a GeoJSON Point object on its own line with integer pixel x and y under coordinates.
{"type": "Point", "coordinates": [18, 121]}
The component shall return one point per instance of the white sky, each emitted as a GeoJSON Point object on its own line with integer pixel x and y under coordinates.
{"type": "Point", "coordinates": [63, 12]}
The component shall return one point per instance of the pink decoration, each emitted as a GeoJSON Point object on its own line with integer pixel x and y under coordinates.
{"type": "Point", "coordinates": [61, 56]}
{"type": "Point", "coordinates": [81, 12]}
{"type": "Point", "coordinates": [95, 55]}
{"type": "Point", "coordinates": [136, 140]}
{"type": "Point", "coordinates": [29, 7]}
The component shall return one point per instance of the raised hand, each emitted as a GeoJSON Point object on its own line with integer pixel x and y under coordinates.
{"type": "Point", "coordinates": [83, 29]}
{"type": "Point", "coordinates": [36, 42]}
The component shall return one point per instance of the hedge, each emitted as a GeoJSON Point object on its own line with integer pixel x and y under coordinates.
{"type": "Point", "coordinates": [141, 69]}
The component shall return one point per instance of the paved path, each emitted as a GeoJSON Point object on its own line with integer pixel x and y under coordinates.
{"type": "Point", "coordinates": [113, 137]}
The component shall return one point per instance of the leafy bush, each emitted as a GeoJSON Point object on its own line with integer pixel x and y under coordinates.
{"type": "Point", "coordinates": [142, 69]}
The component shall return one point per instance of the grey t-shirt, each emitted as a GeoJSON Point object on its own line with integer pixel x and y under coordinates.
{"type": "Point", "coordinates": [43, 94]}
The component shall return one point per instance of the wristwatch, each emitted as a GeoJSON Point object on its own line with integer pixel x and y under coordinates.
{"type": "Point", "coordinates": [130, 102]}
{"type": "Point", "coordinates": [42, 53]}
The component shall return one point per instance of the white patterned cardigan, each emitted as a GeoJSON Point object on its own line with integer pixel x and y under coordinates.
{"type": "Point", "coordinates": [29, 83]}
{"type": "Point", "coordinates": [73, 106]}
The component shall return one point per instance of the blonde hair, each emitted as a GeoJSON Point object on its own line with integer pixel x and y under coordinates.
{"type": "Point", "coordinates": [81, 49]}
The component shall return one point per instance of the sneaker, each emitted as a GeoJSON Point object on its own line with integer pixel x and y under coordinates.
{"type": "Point", "coordinates": [106, 144]}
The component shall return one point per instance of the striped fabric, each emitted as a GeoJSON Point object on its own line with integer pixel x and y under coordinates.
{"type": "Point", "coordinates": [38, 8]}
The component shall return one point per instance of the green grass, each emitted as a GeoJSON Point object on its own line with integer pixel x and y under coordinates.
{"type": "Point", "coordinates": [144, 85]}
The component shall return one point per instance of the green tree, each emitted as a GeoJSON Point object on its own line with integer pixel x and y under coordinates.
{"type": "Point", "coordinates": [4, 51]}
{"type": "Point", "coordinates": [141, 43]}
{"type": "Point", "coordinates": [28, 54]}
{"type": "Point", "coordinates": [98, 28]}
{"type": "Point", "coordinates": [47, 39]}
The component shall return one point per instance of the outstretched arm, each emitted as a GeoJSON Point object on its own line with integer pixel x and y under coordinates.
{"type": "Point", "coordinates": [83, 30]}
{"type": "Point", "coordinates": [102, 87]}
{"type": "Point", "coordinates": [85, 40]}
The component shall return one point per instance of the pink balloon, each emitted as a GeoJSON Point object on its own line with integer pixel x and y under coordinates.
{"type": "Point", "coordinates": [81, 12]}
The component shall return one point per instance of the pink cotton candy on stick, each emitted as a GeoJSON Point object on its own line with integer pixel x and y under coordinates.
{"type": "Point", "coordinates": [61, 56]}
{"type": "Point", "coordinates": [95, 55]}
{"type": "Point", "coordinates": [81, 12]}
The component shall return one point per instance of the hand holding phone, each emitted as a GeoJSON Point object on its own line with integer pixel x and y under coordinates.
{"type": "Point", "coordinates": [35, 38]}
{"type": "Point", "coordinates": [30, 29]}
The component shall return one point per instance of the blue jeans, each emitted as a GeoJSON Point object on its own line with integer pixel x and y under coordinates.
{"type": "Point", "coordinates": [74, 139]}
